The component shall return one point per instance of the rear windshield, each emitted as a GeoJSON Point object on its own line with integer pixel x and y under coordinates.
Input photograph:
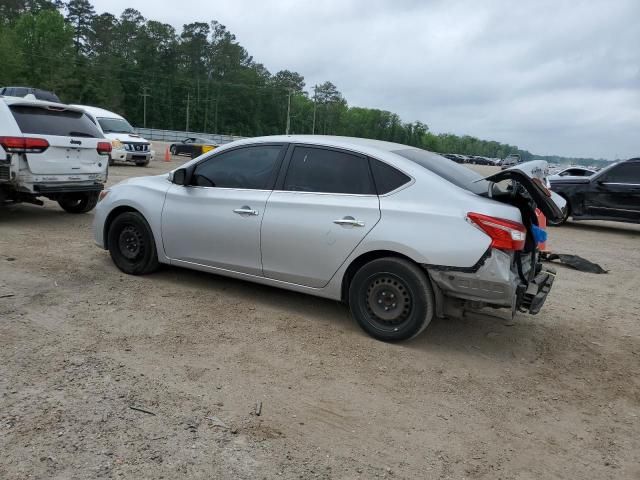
{"type": "Point", "coordinates": [115, 125]}
{"type": "Point", "coordinates": [63, 123]}
{"type": "Point", "coordinates": [457, 174]}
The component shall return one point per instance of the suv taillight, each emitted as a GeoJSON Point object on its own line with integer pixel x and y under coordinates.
{"type": "Point", "coordinates": [104, 148]}
{"type": "Point", "coordinates": [24, 144]}
{"type": "Point", "coordinates": [505, 234]}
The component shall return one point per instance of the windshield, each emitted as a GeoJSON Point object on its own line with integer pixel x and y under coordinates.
{"type": "Point", "coordinates": [115, 125]}
{"type": "Point", "coordinates": [457, 174]}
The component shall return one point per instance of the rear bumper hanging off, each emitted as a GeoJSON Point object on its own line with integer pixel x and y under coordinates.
{"type": "Point", "coordinates": [531, 297]}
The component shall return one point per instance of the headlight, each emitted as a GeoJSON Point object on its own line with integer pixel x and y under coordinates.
{"type": "Point", "coordinates": [116, 144]}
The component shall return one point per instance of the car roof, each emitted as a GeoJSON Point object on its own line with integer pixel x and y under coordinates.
{"type": "Point", "coordinates": [100, 112]}
{"type": "Point", "coordinates": [38, 103]}
{"type": "Point", "coordinates": [353, 143]}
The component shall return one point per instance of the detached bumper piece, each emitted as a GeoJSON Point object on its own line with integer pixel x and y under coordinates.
{"type": "Point", "coordinates": [532, 296]}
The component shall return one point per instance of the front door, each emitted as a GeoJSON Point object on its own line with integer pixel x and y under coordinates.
{"type": "Point", "coordinates": [216, 220]}
{"type": "Point", "coordinates": [616, 193]}
{"type": "Point", "coordinates": [325, 207]}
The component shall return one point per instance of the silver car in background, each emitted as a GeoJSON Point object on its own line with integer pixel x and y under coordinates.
{"type": "Point", "coordinates": [398, 233]}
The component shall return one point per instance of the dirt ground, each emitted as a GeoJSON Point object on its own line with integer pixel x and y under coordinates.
{"type": "Point", "coordinates": [555, 395]}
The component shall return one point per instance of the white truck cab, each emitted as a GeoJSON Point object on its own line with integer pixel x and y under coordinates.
{"type": "Point", "coordinates": [127, 146]}
{"type": "Point", "coordinates": [50, 150]}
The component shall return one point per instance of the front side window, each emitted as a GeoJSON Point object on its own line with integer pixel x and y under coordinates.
{"type": "Point", "coordinates": [248, 168]}
{"type": "Point", "coordinates": [328, 171]}
{"type": "Point", "coordinates": [624, 173]}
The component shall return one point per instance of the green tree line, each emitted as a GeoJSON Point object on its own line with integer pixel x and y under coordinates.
{"type": "Point", "coordinates": [198, 79]}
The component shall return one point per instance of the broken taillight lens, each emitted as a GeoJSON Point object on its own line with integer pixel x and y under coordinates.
{"type": "Point", "coordinates": [505, 234]}
{"type": "Point", "coordinates": [24, 144]}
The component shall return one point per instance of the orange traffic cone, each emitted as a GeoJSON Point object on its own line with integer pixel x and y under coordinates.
{"type": "Point", "coordinates": [167, 155]}
{"type": "Point", "coordinates": [542, 223]}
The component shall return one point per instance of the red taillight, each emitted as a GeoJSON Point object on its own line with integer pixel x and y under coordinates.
{"type": "Point", "coordinates": [505, 234]}
{"type": "Point", "coordinates": [104, 148]}
{"type": "Point", "coordinates": [24, 144]}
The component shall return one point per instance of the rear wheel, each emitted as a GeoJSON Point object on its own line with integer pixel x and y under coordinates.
{"type": "Point", "coordinates": [131, 244]}
{"type": "Point", "coordinates": [173, 149]}
{"type": "Point", "coordinates": [392, 299]}
{"type": "Point", "coordinates": [78, 202]}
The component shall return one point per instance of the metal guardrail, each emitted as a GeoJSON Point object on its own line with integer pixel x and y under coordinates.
{"type": "Point", "coordinates": [176, 135]}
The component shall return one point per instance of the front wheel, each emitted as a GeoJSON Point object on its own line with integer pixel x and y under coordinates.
{"type": "Point", "coordinates": [78, 202]}
{"type": "Point", "coordinates": [392, 299]}
{"type": "Point", "coordinates": [173, 150]}
{"type": "Point", "coordinates": [131, 244]}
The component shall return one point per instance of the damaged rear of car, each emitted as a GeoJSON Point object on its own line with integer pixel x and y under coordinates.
{"type": "Point", "coordinates": [509, 273]}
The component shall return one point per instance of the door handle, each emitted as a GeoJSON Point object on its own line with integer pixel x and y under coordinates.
{"type": "Point", "coordinates": [245, 210]}
{"type": "Point", "coordinates": [349, 221]}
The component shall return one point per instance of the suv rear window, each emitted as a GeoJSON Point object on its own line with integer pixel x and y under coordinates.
{"type": "Point", "coordinates": [64, 123]}
{"type": "Point", "coordinates": [459, 175]}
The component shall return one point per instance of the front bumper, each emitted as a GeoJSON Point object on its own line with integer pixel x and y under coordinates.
{"type": "Point", "coordinates": [122, 155]}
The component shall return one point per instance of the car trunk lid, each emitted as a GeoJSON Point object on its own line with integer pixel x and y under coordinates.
{"type": "Point", "coordinates": [531, 177]}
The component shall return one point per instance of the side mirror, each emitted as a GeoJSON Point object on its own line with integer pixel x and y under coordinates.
{"type": "Point", "coordinates": [179, 176]}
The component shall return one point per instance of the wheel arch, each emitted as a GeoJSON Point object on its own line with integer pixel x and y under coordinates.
{"type": "Point", "coordinates": [363, 259]}
{"type": "Point", "coordinates": [111, 217]}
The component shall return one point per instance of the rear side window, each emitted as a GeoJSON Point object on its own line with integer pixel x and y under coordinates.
{"type": "Point", "coordinates": [328, 171]}
{"type": "Point", "coordinates": [248, 168]}
{"type": "Point", "coordinates": [386, 177]}
{"type": "Point", "coordinates": [64, 123]}
{"type": "Point", "coordinates": [459, 175]}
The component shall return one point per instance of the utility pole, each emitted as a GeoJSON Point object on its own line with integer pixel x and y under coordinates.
{"type": "Point", "coordinates": [315, 98]}
{"type": "Point", "coordinates": [188, 97]}
{"type": "Point", "coordinates": [288, 113]}
{"type": "Point", "coordinates": [144, 96]}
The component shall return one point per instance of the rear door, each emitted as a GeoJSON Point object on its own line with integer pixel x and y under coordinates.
{"type": "Point", "coordinates": [321, 210]}
{"type": "Point", "coordinates": [616, 193]}
{"type": "Point", "coordinates": [72, 136]}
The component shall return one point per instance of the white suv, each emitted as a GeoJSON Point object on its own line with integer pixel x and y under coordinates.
{"type": "Point", "coordinates": [50, 150]}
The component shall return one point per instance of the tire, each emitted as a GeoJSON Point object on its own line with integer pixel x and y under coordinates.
{"type": "Point", "coordinates": [78, 202]}
{"type": "Point", "coordinates": [173, 150]}
{"type": "Point", "coordinates": [132, 245]}
{"type": "Point", "coordinates": [565, 216]}
{"type": "Point", "coordinates": [392, 299]}
{"type": "Point", "coordinates": [111, 161]}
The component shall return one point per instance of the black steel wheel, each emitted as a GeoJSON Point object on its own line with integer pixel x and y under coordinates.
{"type": "Point", "coordinates": [131, 244]}
{"type": "Point", "coordinates": [391, 298]}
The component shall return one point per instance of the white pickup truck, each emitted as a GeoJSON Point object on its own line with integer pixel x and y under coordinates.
{"type": "Point", "coordinates": [127, 145]}
{"type": "Point", "coordinates": [50, 150]}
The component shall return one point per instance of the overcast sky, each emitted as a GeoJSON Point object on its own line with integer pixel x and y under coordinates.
{"type": "Point", "coordinates": [553, 77]}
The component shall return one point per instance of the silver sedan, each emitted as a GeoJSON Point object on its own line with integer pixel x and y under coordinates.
{"type": "Point", "coordinates": [398, 233]}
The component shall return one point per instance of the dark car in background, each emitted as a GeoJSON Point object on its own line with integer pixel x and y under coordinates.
{"type": "Point", "coordinates": [24, 91]}
{"type": "Point", "coordinates": [613, 193]}
{"type": "Point", "coordinates": [192, 146]}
